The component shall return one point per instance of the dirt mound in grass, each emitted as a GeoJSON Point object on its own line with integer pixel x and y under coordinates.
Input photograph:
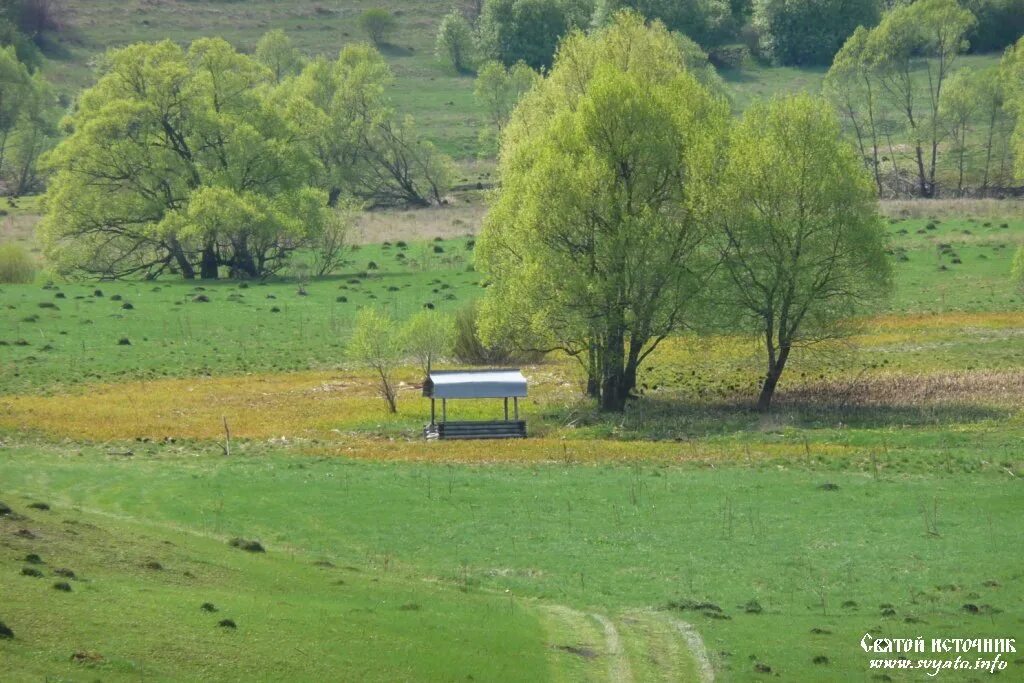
{"type": "Point", "coordinates": [249, 546]}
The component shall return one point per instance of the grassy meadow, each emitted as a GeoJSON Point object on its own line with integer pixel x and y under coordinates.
{"type": "Point", "coordinates": [880, 496]}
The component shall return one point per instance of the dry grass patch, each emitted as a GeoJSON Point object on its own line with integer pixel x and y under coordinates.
{"type": "Point", "coordinates": [418, 224]}
{"type": "Point", "coordinates": [952, 208]}
{"type": "Point", "coordinates": [894, 390]}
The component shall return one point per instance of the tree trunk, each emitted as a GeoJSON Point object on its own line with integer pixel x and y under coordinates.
{"type": "Point", "coordinates": [922, 178]}
{"type": "Point", "coordinates": [771, 380]}
{"type": "Point", "coordinates": [187, 271]}
{"type": "Point", "coordinates": [593, 373]}
{"type": "Point", "coordinates": [242, 262]}
{"type": "Point", "coordinates": [615, 375]}
{"type": "Point", "coordinates": [209, 263]}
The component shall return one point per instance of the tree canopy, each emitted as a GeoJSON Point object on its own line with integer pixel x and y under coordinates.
{"type": "Point", "coordinates": [595, 243]}
{"type": "Point", "coordinates": [177, 161]}
{"type": "Point", "coordinates": [801, 241]}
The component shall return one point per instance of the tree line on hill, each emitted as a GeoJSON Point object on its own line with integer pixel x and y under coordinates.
{"type": "Point", "coordinates": [783, 32]}
{"type": "Point", "coordinates": [923, 125]}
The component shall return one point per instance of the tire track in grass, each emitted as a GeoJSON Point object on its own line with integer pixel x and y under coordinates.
{"type": "Point", "coordinates": [619, 670]}
{"type": "Point", "coordinates": [696, 646]}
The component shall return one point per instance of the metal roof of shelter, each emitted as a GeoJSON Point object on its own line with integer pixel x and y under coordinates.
{"type": "Point", "coordinates": [504, 383]}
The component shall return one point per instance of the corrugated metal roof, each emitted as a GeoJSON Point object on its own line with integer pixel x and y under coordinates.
{"type": "Point", "coordinates": [475, 384]}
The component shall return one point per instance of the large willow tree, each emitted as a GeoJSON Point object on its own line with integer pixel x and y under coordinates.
{"type": "Point", "coordinates": [177, 160]}
{"type": "Point", "coordinates": [595, 243]}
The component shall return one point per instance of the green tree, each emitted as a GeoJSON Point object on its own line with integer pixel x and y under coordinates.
{"type": "Point", "coordinates": [379, 24]}
{"type": "Point", "coordinates": [498, 89]}
{"type": "Point", "coordinates": [809, 32]}
{"type": "Point", "coordinates": [376, 343]}
{"type": "Point", "coordinates": [1000, 23]}
{"type": "Point", "coordinates": [1011, 73]}
{"type": "Point", "coordinates": [911, 53]}
{"type": "Point", "coordinates": [276, 52]}
{"type": "Point", "coordinates": [594, 244]}
{"type": "Point", "coordinates": [708, 22]}
{"type": "Point", "coordinates": [528, 31]}
{"type": "Point", "coordinates": [15, 90]}
{"type": "Point", "coordinates": [958, 108]}
{"type": "Point", "coordinates": [991, 103]}
{"type": "Point", "coordinates": [35, 133]}
{"type": "Point", "coordinates": [178, 161]}
{"type": "Point", "coordinates": [455, 42]}
{"type": "Point", "coordinates": [802, 244]}
{"type": "Point", "coordinates": [428, 337]}
{"type": "Point", "coordinates": [364, 150]}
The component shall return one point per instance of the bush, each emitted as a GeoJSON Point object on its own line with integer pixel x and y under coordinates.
{"type": "Point", "coordinates": [455, 42]}
{"type": "Point", "coordinates": [708, 22]}
{"type": "Point", "coordinates": [16, 266]}
{"type": "Point", "coordinates": [378, 24]}
{"type": "Point", "coordinates": [469, 349]}
{"type": "Point", "coordinates": [1000, 23]}
{"type": "Point", "coordinates": [729, 56]}
{"type": "Point", "coordinates": [809, 32]}
{"type": "Point", "coordinates": [527, 31]}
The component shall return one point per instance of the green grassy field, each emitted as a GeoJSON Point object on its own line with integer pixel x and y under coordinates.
{"type": "Point", "coordinates": [67, 333]}
{"type": "Point", "coordinates": [882, 494]}
{"type": "Point", "coordinates": [793, 560]}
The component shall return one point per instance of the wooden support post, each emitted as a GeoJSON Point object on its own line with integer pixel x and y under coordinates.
{"type": "Point", "coordinates": [431, 411]}
{"type": "Point", "coordinates": [444, 410]}
{"type": "Point", "coordinates": [515, 402]}
{"type": "Point", "coordinates": [506, 409]}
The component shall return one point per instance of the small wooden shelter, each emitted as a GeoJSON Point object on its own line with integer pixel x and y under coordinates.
{"type": "Point", "coordinates": [465, 384]}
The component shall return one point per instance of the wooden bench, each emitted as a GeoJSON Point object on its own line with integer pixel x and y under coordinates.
{"type": "Point", "coordinates": [484, 429]}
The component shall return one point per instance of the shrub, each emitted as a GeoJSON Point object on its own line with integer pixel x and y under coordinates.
{"type": "Point", "coordinates": [511, 31]}
{"type": "Point", "coordinates": [469, 349]}
{"type": "Point", "coordinates": [16, 266]}
{"type": "Point", "coordinates": [809, 32]}
{"type": "Point", "coordinates": [455, 42]}
{"type": "Point", "coordinates": [729, 56]}
{"type": "Point", "coordinates": [378, 24]}
{"type": "Point", "coordinates": [1000, 23]}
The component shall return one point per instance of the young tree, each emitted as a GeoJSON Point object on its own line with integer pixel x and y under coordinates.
{"type": "Point", "coordinates": [912, 51]}
{"type": "Point", "coordinates": [959, 104]}
{"type": "Point", "coordinates": [35, 133]}
{"type": "Point", "coordinates": [178, 161]}
{"type": "Point", "coordinates": [802, 244]}
{"type": "Point", "coordinates": [594, 244]}
{"type": "Point", "coordinates": [1011, 70]}
{"type": "Point", "coordinates": [377, 344]}
{"type": "Point", "coordinates": [379, 24]}
{"type": "Point", "coordinates": [15, 89]}
{"type": "Point", "coordinates": [455, 42]}
{"type": "Point", "coordinates": [498, 89]}
{"type": "Point", "coordinates": [850, 84]}
{"type": "Point", "coordinates": [329, 250]}
{"type": "Point", "coordinates": [991, 104]}
{"type": "Point", "coordinates": [428, 337]}
{"type": "Point", "coordinates": [276, 52]}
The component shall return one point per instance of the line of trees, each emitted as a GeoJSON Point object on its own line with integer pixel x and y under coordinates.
{"type": "Point", "coordinates": [203, 160]}
{"type": "Point", "coordinates": [632, 207]}
{"type": "Point", "coordinates": [786, 32]}
{"type": "Point", "coordinates": [896, 82]}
